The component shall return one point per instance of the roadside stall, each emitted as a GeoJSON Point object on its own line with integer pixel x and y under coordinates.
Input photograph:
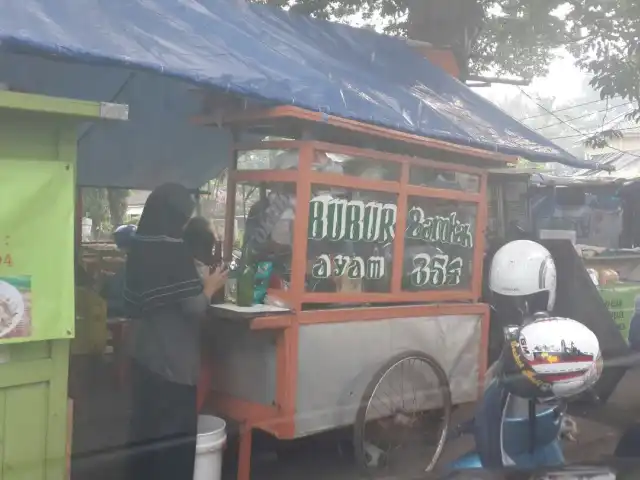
{"type": "Point", "coordinates": [595, 214]}
{"type": "Point", "coordinates": [591, 208]}
{"type": "Point", "coordinates": [376, 200]}
{"type": "Point", "coordinates": [38, 163]}
{"type": "Point", "coordinates": [508, 190]}
{"type": "Point", "coordinates": [592, 212]}
{"type": "Point", "coordinates": [524, 204]}
{"type": "Point", "coordinates": [384, 259]}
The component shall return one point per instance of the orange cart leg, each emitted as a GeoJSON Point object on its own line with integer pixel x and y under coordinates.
{"type": "Point", "coordinates": [69, 436]}
{"type": "Point", "coordinates": [122, 366]}
{"type": "Point", "coordinates": [204, 382]}
{"type": "Point", "coordinates": [244, 455]}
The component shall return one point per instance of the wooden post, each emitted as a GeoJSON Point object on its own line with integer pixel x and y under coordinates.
{"type": "Point", "coordinates": [69, 436]}
{"type": "Point", "coordinates": [244, 454]}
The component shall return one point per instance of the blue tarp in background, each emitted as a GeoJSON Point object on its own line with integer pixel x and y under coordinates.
{"type": "Point", "coordinates": [147, 52]}
{"type": "Point", "coordinates": [156, 145]}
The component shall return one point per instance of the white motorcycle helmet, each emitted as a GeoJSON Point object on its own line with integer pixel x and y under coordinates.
{"type": "Point", "coordinates": [525, 271]}
{"type": "Point", "coordinates": [551, 357]}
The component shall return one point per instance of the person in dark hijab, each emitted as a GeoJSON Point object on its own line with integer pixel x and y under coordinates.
{"type": "Point", "coordinates": [166, 299]}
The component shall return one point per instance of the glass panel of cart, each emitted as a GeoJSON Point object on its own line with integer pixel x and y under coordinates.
{"type": "Point", "coordinates": [267, 211]}
{"type": "Point", "coordinates": [446, 179]}
{"type": "Point", "coordinates": [270, 159]}
{"type": "Point", "coordinates": [438, 244]}
{"type": "Point", "coordinates": [350, 240]}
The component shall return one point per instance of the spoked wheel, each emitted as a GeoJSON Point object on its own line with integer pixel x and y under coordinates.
{"type": "Point", "coordinates": [401, 425]}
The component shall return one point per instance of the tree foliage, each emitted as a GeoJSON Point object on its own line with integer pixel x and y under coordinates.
{"type": "Point", "coordinates": [106, 208]}
{"type": "Point", "coordinates": [117, 200]}
{"type": "Point", "coordinates": [610, 48]}
{"type": "Point", "coordinates": [510, 37]}
{"type": "Point", "coordinates": [96, 207]}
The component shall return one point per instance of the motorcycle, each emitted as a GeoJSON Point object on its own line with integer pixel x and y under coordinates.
{"type": "Point", "coordinates": [525, 433]}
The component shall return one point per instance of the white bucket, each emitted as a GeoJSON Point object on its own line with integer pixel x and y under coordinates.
{"type": "Point", "coordinates": [212, 437]}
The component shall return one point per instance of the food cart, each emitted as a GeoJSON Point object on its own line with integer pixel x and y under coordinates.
{"type": "Point", "coordinates": [311, 365]}
{"type": "Point", "coordinates": [403, 247]}
{"type": "Point", "coordinates": [413, 275]}
{"type": "Point", "coordinates": [38, 163]}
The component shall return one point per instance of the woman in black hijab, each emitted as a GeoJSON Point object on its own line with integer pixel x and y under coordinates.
{"type": "Point", "coordinates": [166, 299]}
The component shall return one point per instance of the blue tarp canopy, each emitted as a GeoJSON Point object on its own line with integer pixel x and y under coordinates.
{"type": "Point", "coordinates": [147, 53]}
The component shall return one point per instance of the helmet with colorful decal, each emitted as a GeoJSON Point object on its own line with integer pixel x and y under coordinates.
{"type": "Point", "coordinates": [525, 270]}
{"type": "Point", "coordinates": [551, 357]}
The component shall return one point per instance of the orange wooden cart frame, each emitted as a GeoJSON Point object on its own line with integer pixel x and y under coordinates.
{"type": "Point", "coordinates": [304, 177]}
{"type": "Point", "coordinates": [253, 116]}
{"type": "Point", "coordinates": [279, 419]}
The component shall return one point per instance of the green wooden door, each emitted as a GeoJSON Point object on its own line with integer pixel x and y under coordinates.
{"type": "Point", "coordinates": [33, 410]}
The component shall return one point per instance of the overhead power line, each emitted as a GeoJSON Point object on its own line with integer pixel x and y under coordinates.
{"type": "Point", "coordinates": [563, 109]}
{"type": "Point", "coordinates": [608, 109]}
{"type": "Point", "coordinates": [637, 127]}
{"type": "Point", "coordinates": [612, 121]}
{"type": "Point", "coordinates": [562, 137]}
{"type": "Point", "coordinates": [582, 134]}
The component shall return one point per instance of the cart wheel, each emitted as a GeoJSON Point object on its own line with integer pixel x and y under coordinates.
{"type": "Point", "coordinates": [401, 425]}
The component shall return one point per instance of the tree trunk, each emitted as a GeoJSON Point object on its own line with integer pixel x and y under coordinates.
{"type": "Point", "coordinates": [443, 22]}
{"type": "Point", "coordinates": [451, 24]}
{"type": "Point", "coordinates": [117, 205]}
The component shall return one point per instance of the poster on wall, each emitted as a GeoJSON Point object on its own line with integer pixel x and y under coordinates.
{"type": "Point", "coordinates": [36, 251]}
{"type": "Point", "coordinates": [620, 299]}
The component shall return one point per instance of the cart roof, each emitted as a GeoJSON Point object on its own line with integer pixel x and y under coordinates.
{"type": "Point", "coordinates": [114, 51]}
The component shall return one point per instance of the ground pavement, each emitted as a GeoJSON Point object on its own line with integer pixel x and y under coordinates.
{"type": "Point", "coordinates": [100, 425]}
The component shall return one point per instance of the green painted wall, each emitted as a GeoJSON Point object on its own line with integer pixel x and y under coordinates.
{"type": "Point", "coordinates": [33, 410]}
{"type": "Point", "coordinates": [620, 299]}
{"type": "Point", "coordinates": [34, 375]}
{"type": "Point", "coordinates": [37, 215]}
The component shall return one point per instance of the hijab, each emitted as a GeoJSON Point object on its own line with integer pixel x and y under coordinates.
{"type": "Point", "coordinates": [160, 272]}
